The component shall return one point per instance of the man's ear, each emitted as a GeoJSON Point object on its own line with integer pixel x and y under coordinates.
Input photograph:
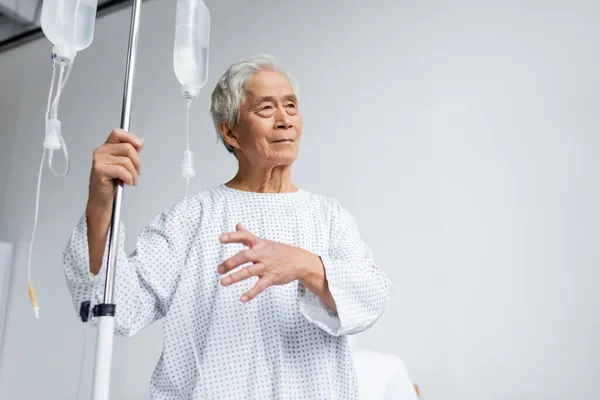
{"type": "Point", "coordinates": [228, 135]}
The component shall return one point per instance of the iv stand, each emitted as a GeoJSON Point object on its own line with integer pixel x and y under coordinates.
{"type": "Point", "coordinates": [105, 312]}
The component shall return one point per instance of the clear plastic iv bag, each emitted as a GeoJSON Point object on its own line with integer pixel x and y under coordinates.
{"type": "Point", "coordinates": [190, 52]}
{"type": "Point", "coordinates": [190, 62]}
{"type": "Point", "coordinates": [69, 25]}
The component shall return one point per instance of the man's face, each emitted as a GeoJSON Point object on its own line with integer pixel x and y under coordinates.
{"type": "Point", "coordinates": [270, 123]}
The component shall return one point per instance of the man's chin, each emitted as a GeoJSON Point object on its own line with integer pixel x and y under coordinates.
{"type": "Point", "coordinates": [287, 157]}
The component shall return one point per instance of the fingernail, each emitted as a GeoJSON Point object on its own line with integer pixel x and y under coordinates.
{"type": "Point", "coordinates": [244, 298]}
{"type": "Point", "coordinates": [226, 281]}
{"type": "Point", "coordinates": [221, 269]}
{"type": "Point", "coordinates": [224, 237]}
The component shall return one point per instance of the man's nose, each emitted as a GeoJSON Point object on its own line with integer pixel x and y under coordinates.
{"type": "Point", "coordinates": [282, 119]}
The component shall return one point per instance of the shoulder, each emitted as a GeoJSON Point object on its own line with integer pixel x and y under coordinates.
{"type": "Point", "coordinates": [323, 202]}
{"type": "Point", "coordinates": [199, 199]}
{"type": "Point", "coordinates": [192, 205]}
{"type": "Point", "coordinates": [331, 207]}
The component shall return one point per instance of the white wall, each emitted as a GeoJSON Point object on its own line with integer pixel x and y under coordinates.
{"type": "Point", "coordinates": [462, 135]}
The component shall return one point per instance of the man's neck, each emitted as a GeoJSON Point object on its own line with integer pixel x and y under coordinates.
{"type": "Point", "coordinates": [263, 180]}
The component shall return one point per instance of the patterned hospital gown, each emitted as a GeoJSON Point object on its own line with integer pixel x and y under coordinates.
{"type": "Point", "coordinates": [284, 344]}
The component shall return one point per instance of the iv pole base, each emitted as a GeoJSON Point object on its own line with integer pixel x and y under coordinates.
{"type": "Point", "coordinates": [104, 350]}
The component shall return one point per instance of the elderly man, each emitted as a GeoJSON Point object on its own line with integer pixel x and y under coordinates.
{"type": "Point", "coordinates": [258, 282]}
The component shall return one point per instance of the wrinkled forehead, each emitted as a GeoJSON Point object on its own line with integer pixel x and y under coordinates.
{"type": "Point", "coordinates": [269, 84]}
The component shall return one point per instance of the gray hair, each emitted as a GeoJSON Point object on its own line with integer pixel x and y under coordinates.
{"type": "Point", "coordinates": [230, 91]}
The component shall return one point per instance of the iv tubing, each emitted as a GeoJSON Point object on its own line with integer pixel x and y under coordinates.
{"type": "Point", "coordinates": [189, 328]}
{"type": "Point", "coordinates": [51, 111]}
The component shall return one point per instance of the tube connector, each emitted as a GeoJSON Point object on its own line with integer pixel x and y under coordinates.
{"type": "Point", "coordinates": [52, 139]}
{"type": "Point", "coordinates": [190, 92]}
{"type": "Point", "coordinates": [187, 167]}
{"type": "Point", "coordinates": [33, 298]}
{"type": "Point", "coordinates": [63, 54]}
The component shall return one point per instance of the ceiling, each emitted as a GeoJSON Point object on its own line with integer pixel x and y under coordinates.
{"type": "Point", "coordinates": [19, 19]}
{"type": "Point", "coordinates": [17, 16]}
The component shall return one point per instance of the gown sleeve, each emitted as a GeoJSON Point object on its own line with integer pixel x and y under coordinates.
{"type": "Point", "coordinates": [358, 285]}
{"type": "Point", "coordinates": [145, 280]}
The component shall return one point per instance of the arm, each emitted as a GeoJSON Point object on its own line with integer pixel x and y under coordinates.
{"type": "Point", "coordinates": [98, 224]}
{"type": "Point", "coordinates": [313, 278]}
{"type": "Point", "coordinates": [145, 281]}
{"type": "Point", "coordinates": [358, 287]}
{"type": "Point", "coordinates": [342, 292]}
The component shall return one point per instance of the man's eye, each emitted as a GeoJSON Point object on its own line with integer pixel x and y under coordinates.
{"type": "Point", "coordinates": [292, 105]}
{"type": "Point", "coordinates": [267, 108]}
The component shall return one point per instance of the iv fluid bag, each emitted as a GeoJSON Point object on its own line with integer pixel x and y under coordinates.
{"type": "Point", "coordinates": [69, 24]}
{"type": "Point", "coordinates": [190, 53]}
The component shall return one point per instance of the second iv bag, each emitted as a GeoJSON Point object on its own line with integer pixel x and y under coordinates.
{"type": "Point", "coordinates": [190, 62]}
{"type": "Point", "coordinates": [69, 26]}
{"type": "Point", "coordinates": [190, 52]}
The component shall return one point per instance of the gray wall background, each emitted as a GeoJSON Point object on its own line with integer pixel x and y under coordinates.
{"type": "Point", "coordinates": [463, 136]}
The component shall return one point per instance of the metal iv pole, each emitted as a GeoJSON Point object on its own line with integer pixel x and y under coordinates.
{"type": "Point", "coordinates": [105, 311]}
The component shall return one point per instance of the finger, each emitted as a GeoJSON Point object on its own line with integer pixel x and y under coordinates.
{"type": "Point", "coordinates": [121, 136]}
{"type": "Point", "coordinates": [252, 270]}
{"type": "Point", "coordinates": [257, 289]}
{"type": "Point", "coordinates": [119, 172]}
{"type": "Point", "coordinates": [125, 150]}
{"type": "Point", "coordinates": [243, 257]}
{"type": "Point", "coordinates": [126, 163]}
{"type": "Point", "coordinates": [244, 237]}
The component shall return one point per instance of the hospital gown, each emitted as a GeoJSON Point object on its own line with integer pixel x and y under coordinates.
{"type": "Point", "coordinates": [284, 344]}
